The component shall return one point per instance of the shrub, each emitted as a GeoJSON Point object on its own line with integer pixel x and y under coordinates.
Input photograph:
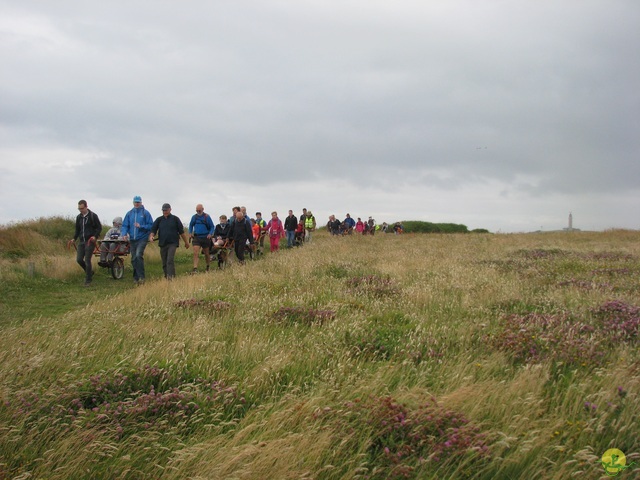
{"type": "Point", "coordinates": [302, 315]}
{"type": "Point", "coordinates": [56, 228]}
{"type": "Point", "coordinates": [402, 439]}
{"type": "Point", "coordinates": [23, 239]}
{"type": "Point", "coordinates": [535, 337]}
{"type": "Point", "coordinates": [619, 321]}
{"type": "Point", "coordinates": [373, 285]}
{"type": "Point", "coordinates": [542, 253]}
{"type": "Point", "coordinates": [212, 305]}
{"type": "Point", "coordinates": [149, 397]}
{"type": "Point", "coordinates": [413, 226]}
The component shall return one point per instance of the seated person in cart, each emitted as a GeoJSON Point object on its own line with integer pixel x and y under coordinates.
{"type": "Point", "coordinates": [221, 232]}
{"type": "Point", "coordinates": [112, 243]}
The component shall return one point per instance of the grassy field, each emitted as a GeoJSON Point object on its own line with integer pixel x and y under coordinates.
{"type": "Point", "coordinates": [412, 356]}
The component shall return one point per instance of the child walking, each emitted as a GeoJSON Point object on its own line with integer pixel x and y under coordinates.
{"type": "Point", "coordinates": [276, 231]}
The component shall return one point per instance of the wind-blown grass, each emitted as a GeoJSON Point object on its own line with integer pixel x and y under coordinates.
{"type": "Point", "coordinates": [356, 357]}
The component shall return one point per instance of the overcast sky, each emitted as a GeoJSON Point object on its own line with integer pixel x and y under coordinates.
{"type": "Point", "coordinates": [505, 115]}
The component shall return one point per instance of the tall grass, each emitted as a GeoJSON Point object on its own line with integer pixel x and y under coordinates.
{"type": "Point", "coordinates": [356, 357]}
{"type": "Point", "coordinates": [33, 237]}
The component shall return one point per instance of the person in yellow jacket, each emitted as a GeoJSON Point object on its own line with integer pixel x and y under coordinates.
{"type": "Point", "coordinates": [309, 226]}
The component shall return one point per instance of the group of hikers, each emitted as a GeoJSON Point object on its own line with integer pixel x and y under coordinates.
{"type": "Point", "coordinates": [349, 225]}
{"type": "Point", "coordinates": [244, 234]}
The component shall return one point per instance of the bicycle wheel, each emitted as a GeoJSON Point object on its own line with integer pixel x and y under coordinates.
{"type": "Point", "coordinates": [117, 268]}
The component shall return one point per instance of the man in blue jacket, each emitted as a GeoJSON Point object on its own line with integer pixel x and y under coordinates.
{"type": "Point", "coordinates": [349, 224]}
{"type": "Point", "coordinates": [135, 228]}
{"type": "Point", "coordinates": [200, 230]}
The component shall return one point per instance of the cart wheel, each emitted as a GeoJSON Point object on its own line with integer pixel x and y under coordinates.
{"type": "Point", "coordinates": [117, 268]}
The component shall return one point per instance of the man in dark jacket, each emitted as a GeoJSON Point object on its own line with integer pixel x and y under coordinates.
{"type": "Point", "coordinates": [171, 229]}
{"type": "Point", "coordinates": [88, 229]}
{"type": "Point", "coordinates": [240, 232]}
{"type": "Point", "coordinates": [290, 225]}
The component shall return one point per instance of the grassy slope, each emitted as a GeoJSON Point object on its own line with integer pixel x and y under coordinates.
{"type": "Point", "coordinates": [291, 361]}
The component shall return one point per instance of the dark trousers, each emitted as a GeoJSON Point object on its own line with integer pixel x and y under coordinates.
{"type": "Point", "coordinates": [83, 257]}
{"type": "Point", "coordinates": [239, 245]}
{"type": "Point", "coordinates": [167, 254]}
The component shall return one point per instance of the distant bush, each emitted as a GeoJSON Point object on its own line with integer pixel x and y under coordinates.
{"type": "Point", "coordinates": [22, 239]}
{"type": "Point", "coordinates": [414, 226]}
{"type": "Point", "coordinates": [58, 228]}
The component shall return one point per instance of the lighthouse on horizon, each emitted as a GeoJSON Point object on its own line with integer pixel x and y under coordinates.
{"type": "Point", "coordinates": [570, 227]}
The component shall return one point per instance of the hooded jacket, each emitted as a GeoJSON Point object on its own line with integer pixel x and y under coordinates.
{"type": "Point", "coordinates": [137, 215]}
{"type": "Point", "coordinates": [87, 226]}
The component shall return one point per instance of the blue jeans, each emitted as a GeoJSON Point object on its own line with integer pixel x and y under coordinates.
{"type": "Point", "coordinates": [136, 248]}
{"type": "Point", "coordinates": [291, 237]}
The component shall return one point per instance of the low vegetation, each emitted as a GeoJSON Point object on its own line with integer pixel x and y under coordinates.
{"type": "Point", "coordinates": [414, 226]}
{"type": "Point", "coordinates": [390, 356]}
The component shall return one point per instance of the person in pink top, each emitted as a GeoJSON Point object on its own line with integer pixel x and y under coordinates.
{"type": "Point", "coordinates": [359, 225]}
{"type": "Point", "coordinates": [275, 230]}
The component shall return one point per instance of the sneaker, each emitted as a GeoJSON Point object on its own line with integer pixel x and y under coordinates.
{"type": "Point", "coordinates": [195, 270]}
{"type": "Point", "coordinates": [87, 283]}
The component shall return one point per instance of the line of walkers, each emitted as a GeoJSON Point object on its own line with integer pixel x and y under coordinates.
{"type": "Point", "coordinates": [138, 228]}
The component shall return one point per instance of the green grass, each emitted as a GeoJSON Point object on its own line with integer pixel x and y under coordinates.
{"type": "Point", "coordinates": [29, 296]}
{"type": "Point", "coordinates": [329, 361]}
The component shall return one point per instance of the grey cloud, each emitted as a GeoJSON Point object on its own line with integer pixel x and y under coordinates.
{"type": "Point", "coordinates": [445, 96]}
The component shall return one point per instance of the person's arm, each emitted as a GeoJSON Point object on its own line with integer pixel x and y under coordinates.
{"type": "Point", "coordinates": [154, 229]}
{"type": "Point", "coordinates": [125, 226]}
{"type": "Point", "coordinates": [211, 225]}
{"type": "Point", "coordinates": [98, 228]}
{"type": "Point", "coordinates": [147, 222]}
{"type": "Point", "coordinates": [182, 232]}
{"type": "Point", "coordinates": [249, 233]}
